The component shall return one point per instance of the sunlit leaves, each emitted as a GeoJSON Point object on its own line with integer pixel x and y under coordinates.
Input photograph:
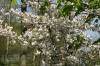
{"type": "Point", "coordinates": [59, 5]}
{"type": "Point", "coordinates": [77, 43]}
{"type": "Point", "coordinates": [94, 4]}
{"type": "Point", "coordinates": [65, 10]}
{"type": "Point", "coordinates": [80, 9]}
{"type": "Point", "coordinates": [83, 0]}
{"type": "Point", "coordinates": [43, 6]}
{"type": "Point", "coordinates": [90, 16]}
{"type": "Point", "coordinates": [13, 2]}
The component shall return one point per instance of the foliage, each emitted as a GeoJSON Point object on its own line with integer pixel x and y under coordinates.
{"type": "Point", "coordinates": [13, 2]}
{"type": "Point", "coordinates": [77, 43]}
{"type": "Point", "coordinates": [43, 6]}
{"type": "Point", "coordinates": [90, 16]}
{"type": "Point", "coordinates": [65, 10]}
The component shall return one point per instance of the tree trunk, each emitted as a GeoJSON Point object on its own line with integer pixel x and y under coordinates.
{"type": "Point", "coordinates": [23, 60]}
{"type": "Point", "coordinates": [23, 52]}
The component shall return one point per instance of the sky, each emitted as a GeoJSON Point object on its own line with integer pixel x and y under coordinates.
{"type": "Point", "coordinates": [19, 2]}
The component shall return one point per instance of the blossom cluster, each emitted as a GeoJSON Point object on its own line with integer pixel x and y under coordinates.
{"type": "Point", "coordinates": [52, 35]}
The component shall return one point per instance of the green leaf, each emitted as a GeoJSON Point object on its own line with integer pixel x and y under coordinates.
{"type": "Point", "coordinates": [65, 10]}
{"type": "Point", "coordinates": [99, 17]}
{"type": "Point", "coordinates": [13, 2]}
{"type": "Point", "coordinates": [80, 9]}
{"type": "Point", "coordinates": [76, 42]}
{"type": "Point", "coordinates": [96, 20]}
{"type": "Point", "coordinates": [58, 5]}
{"type": "Point", "coordinates": [90, 16]}
{"type": "Point", "coordinates": [43, 6]}
{"type": "Point", "coordinates": [81, 39]}
{"type": "Point", "coordinates": [83, 0]}
{"type": "Point", "coordinates": [77, 46]}
{"type": "Point", "coordinates": [97, 41]}
{"type": "Point", "coordinates": [94, 4]}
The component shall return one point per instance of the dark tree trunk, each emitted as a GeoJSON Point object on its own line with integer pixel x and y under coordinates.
{"type": "Point", "coordinates": [23, 52]}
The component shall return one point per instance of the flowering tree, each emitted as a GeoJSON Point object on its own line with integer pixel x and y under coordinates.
{"type": "Point", "coordinates": [57, 33]}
